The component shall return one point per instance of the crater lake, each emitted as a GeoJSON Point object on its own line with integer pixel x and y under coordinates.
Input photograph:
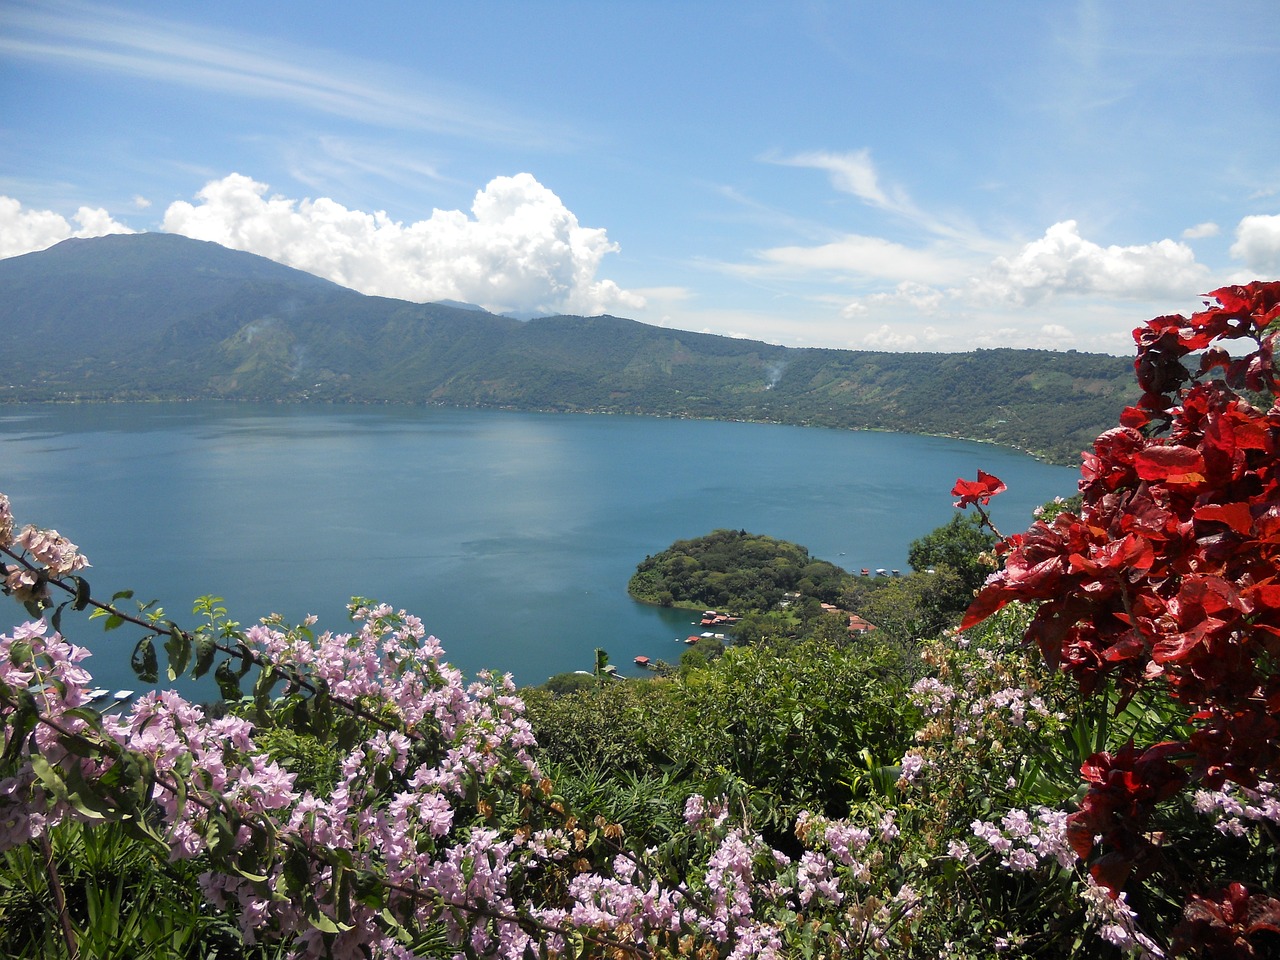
{"type": "Point", "coordinates": [511, 535]}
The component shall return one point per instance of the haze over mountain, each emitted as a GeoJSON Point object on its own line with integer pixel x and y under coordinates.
{"type": "Point", "coordinates": [160, 316]}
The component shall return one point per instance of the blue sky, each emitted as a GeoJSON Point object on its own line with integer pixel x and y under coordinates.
{"type": "Point", "coordinates": [903, 176]}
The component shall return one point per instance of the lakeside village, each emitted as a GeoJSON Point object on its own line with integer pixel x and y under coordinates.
{"type": "Point", "coordinates": [712, 619]}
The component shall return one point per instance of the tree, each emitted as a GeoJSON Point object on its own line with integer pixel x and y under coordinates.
{"type": "Point", "coordinates": [962, 545]}
{"type": "Point", "coordinates": [917, 606]}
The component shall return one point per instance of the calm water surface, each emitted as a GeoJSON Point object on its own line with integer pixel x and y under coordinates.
{"type": "Point", "coordinates": [511, 535]}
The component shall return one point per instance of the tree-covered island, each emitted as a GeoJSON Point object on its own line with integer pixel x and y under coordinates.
{"type": "Point", "coordinates": [774, 588]}
{"type": "Point", "coordinates": [733, 569]}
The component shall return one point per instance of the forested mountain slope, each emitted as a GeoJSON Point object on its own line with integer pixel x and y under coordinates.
{"type": "Point", "coordinates": [162, 316]}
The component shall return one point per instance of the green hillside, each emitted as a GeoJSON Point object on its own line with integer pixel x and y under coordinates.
{"type": "Point", "coordinates": [158, 316]}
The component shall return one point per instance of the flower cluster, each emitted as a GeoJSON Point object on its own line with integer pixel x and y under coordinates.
{"type": "Point", "coordinates": [1233, 807]}
{"type": "Point", "coordinates": [1164, 588]}
{"type": "Point", "coordinates": [1023, 840]}
{"type": "Point", "coordinates": [50, 553]}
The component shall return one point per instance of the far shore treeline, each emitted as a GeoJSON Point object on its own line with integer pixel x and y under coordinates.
{"type": "Point", "coordinates": [159, 316]}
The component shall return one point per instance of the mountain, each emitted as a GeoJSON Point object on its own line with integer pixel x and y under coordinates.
{"type": "Point", "coordinates": [145, 316]}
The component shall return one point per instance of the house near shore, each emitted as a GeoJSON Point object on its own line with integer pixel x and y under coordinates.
{"type": "Point", "coordinates": [710, 618]}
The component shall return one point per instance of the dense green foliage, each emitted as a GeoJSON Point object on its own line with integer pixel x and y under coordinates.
{"type": "Point", "coordinates": [158, 316]}
{"type": "Point", "coordinates": [959, 545]}
{"type": "Point", "coordinates": [735, 570]}
{"type": "Point", "coordinates": [791, 726]}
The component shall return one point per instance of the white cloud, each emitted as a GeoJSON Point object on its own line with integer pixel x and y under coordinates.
{"type": "Point", "coordinates": [851, 173]}
{"type": "Point", "coordinates": [1056, 334]}
{"type": "Point", "coordinates": [177, 53]}
{"type": "Point", "coordinates": [523, 250]}
{"type": "Point", "coordinates": [886, 337]}
{"type": "Point", "coordinates": [855, 173]}
{"type": "Point", "coordinates": [1201, 230]}
{"type": "Point", "coordinates": [872, 257]}
{"type": "Point", "coordinates": [909, 295]}
{"type": "Point", "coordinates": [25, 231]}
{"type": "Point", "coordinates": [141, 202]}
{"type": "Point", "coordinates": [1063, 262]}
{"type": "Point", "coordinates": [1258, 244]}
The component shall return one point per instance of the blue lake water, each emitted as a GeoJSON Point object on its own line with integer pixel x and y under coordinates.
{"type": "Point", "coordinates": [511, 535]}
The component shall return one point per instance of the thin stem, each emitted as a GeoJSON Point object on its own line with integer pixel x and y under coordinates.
{"type": "Point", "coordinates": [59, 897]}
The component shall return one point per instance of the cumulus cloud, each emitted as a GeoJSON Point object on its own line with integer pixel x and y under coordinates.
{"type": "Point", "coordinates": [918, 298]}
{"type": "Point", "coordinates": [1056, 334]}
{"type": "Point", "coordinates": [1258, 244]}
{"type": "Point", "coordinates": [25, 231]}
{"type": "Point", "coordinates": [1063, 262]}
{"type": "Point", "coordinates": [521, 250]}
{"type": "Point", "coordinates": [886, 337]}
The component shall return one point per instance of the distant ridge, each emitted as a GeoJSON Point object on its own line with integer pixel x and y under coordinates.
{"type": "Point", "coordinates": [160, 316]}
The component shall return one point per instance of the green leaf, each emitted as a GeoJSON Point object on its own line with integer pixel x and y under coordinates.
{"type": "Point", "coordinates": [144, 660]}
{"type": "Point", "coordinates": [178, 647]}
{"type": "Point", "coordinates": [49, 776]}
{"type": "Point", "coordinates": [219, 836]}
{"type": "Point", "coordinates": [244, 658]}
{"type": "Point", "coordinates": [325, 923]}
{"type": "Point", "coordinates": [228, 682]}
{"type": "Point", "coordinates": [20, 723]}
{"type": "Point", "coordinates": [267, 679]}
{"type": "Point", "coordinates": [20, 653]}
{"type": "Point", "coordinates": [82, 593]}
{"type": "Point", "coordinates": [89, 797]}
{"type": "Point", "coordinates": [206, 648]}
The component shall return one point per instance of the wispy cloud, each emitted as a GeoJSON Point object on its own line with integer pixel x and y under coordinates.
{"type": "Point", "coordinates": [855, 173]}
{"type": "Point", "coordinates": [868, 257]}
{"type": "Point", "coordinates": [118, 41]}
{"type": "Point", "coordinates": [1201, 230]}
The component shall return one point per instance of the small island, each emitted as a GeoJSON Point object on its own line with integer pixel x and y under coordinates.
{"type": "Point", "coordinates": [735, 570]}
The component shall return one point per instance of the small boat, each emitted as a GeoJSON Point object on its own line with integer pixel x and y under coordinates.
{"type": "Point", "coordinates": [866, 571]}
{"type": "Point", "coordinates": [881, 572]}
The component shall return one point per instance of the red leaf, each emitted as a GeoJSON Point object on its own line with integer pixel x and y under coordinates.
{"type": "Point", "coordinates": [1177, 646]}
{"type": "Point", "coordinates": [1111, 872]}
{"type": "Point", "coordinates": [1134, 417]}
{"type": "Point", "coordinates": [1172, 464]}
{"type": "Point", "coordinates": [987, 602]}
{"type": "Point", "coordinates": [1237, 516]}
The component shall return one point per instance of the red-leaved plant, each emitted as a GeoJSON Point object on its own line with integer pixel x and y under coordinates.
{"type": "Point", "coordinates": [1166, 583]}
